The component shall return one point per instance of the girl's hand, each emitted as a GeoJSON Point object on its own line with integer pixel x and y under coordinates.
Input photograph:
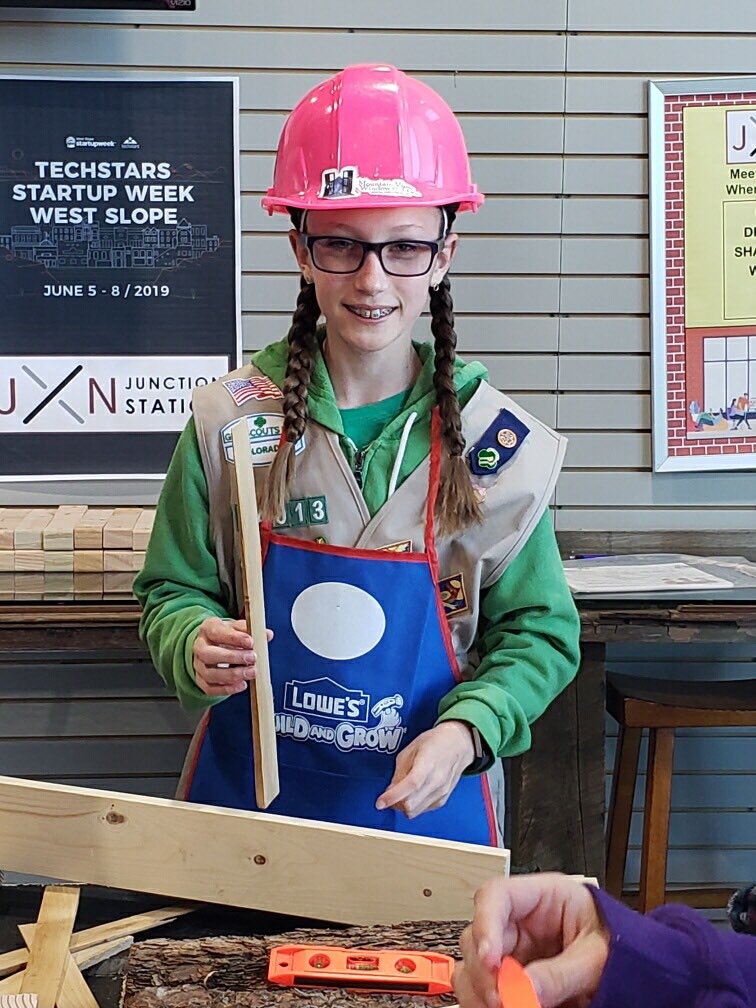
{"type": "Point", "coordinates": [223, 656]}
{"type": "Point", "coordinates": [550, 924]}
{"type": "Point", "coordinates": [428, 770]}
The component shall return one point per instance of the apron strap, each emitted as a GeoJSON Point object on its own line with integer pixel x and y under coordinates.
{"type": "Point", "coordinates": [434, 479]}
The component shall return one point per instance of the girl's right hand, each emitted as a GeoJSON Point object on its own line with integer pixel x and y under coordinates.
{"type": "Point", "coordinates": [223, 657]}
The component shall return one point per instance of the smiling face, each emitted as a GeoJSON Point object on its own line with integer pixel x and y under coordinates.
{"type": "Point", "coordinates": [371, 310]}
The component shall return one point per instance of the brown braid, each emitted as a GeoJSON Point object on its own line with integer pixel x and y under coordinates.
{"type": "Point", "coordinates": [456, 506]}
{"type": "Point", "coordinates": [302, 349]}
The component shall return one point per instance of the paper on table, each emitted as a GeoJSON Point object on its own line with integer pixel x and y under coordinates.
{"type": "Point", "coordinates": [641, 578]}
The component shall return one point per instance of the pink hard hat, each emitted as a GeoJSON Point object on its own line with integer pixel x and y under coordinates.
{"type": "Point", "coordinates": [371, 137]}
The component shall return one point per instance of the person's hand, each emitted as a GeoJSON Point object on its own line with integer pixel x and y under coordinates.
{"type": "Point", "coordinates": [223, 657]}
{"type": "Point", "coordinates": [550, 924]}
{"type": "Point", "coordinates": [428, 769]}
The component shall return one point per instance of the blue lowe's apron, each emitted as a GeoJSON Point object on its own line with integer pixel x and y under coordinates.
{"type": "Point", "coordinates": [361, 656]}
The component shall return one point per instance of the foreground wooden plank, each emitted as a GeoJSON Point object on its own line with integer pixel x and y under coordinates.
{"type": "Point", "coordinates": [102, 933]}
{"type": "Point", "coordinates": [244, 859]}
{"type": "Point", "coordinates": [48, 953]}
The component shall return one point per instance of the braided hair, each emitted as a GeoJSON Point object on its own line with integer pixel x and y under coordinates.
{"type": "Point", "coordinates": [456, 505]}
{"type": "Point", "coordinates": [303, 347]}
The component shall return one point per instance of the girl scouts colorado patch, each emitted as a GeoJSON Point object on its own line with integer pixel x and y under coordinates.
{"type": "Point", "coordinates": [453, 595]}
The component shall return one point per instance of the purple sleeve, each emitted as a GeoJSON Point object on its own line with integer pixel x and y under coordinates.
{"type": "Point", "coordinates": [673, 958]}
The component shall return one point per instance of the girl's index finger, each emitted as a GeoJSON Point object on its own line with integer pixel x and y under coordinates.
{"type": "Point", "coordinates": [230, 634]}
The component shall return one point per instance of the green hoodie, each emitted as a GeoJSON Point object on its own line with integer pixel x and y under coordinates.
{"type": "Point", "coordinates": [528, 634]}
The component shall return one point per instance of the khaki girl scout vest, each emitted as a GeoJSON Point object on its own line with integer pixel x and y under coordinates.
{"type": "Point", "coordinates": [468, 562]}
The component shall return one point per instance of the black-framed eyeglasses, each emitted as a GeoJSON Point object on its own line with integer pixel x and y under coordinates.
{"type": "Point", "coordinates": [335, 254]}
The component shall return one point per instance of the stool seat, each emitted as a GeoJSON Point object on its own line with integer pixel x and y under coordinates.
{"type": "Point", "coordinates": [661, 706]}
{"type": "Point", "coordinates": [641, 702]}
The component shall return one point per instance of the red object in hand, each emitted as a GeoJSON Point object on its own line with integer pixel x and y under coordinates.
{"type": "Point", "coordinates": [515, 988]}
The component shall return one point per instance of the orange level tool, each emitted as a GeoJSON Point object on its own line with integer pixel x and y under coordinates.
{"type": "Point", "coordinates": [369, 970]}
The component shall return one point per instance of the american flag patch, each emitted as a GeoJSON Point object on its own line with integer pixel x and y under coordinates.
{"type": "Point", "coordinates": [242, 390]}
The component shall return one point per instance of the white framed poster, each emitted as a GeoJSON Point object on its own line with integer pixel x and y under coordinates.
{"type": "Point", "coordinates": [702, 183]}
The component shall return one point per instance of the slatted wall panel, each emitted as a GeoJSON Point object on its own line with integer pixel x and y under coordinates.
{"type": "Point", "coordinates": [101, 721]}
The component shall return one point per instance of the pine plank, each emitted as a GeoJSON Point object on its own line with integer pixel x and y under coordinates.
{"type": "Point", "coordinates": [58, 560]}
{"type": "Point", "coordinates": [88, 583]}
{"type": "Point", "coordinates": [143, 529]}
{"type": "Point", "coordinates": [301, 867]}
{"type": "Point", "coordinates": [88, 530]}
{"type": "Point", "coordinates": [102, 934]}
{"type": "Point", "coordinates": [123, 560]}
{"type": "Point", "coordinates": [119, 529]}
{"type": "Point", "coordinates": [7, 560]}
{"type": "Point", "coordinates": [88, 561]}
{"type": "Point", "coordinates": [59, 534]}
{"type": "Point", "coordinates": [118, 581]}
{"type": "Point", "coordinates": [28, 532]}
{"type": "Point", "coordinates": [29, 560]}
{"type": "Point", "coordinates": [10, 519]}
{"type": "Point", "coordinates": [260, 688]}
{"type": "Point", "coordinates": [48, 952]}
{"type": "Point", "coordinates": [74, 992]}
{"type": "Point", "coordinates": [90, 956]}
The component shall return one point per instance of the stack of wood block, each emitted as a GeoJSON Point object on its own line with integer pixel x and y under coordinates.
{"type": "Point", "coordinates": [74, 538]}
{"type": "Point", "coordinates": [47, 973]}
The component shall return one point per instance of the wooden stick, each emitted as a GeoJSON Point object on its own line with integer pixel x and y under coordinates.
{"type": "Point", "coordinates": [246, 859]}
{"type": "Point", "coordinates": [74, 992]}
{"type": "Point", "coordinates": [11, 961]}
{"type": "Point", "coordinates": [260, 688]}
{"type": "Point", "coordinates": [48, 954]}
{"type": "Point", "coordinates": [83, 959]}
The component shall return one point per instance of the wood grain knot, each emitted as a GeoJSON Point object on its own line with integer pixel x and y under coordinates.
{"type": "Point", "coordinates": [115, 817]}
{"type": "Point", "coordinates": [427, 892]}
{"type": "Point", "coordinates": [259, 859]}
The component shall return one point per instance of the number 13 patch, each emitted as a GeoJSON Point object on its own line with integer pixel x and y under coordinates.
{"type": "Point", "coordinates": [303, 511]}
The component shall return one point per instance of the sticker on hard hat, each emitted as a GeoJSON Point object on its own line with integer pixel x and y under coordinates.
{"type": "Point", "coordinates": [344, 183]}
{"type": "Point", "coordinates": [498, 444]}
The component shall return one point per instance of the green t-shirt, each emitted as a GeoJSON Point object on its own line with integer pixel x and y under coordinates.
{"type": "Point", "coordinates": [363, 424]}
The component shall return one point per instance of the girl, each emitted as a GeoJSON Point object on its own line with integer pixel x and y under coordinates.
{"type": "Point", "coordinates": [420, 617]}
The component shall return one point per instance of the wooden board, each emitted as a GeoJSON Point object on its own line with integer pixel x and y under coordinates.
{"type": "Point", "coordinates": [119, 529]}
{"type": "Point", "coordinates": [84, 958]}
{"type": "Point", "coordinates": [73, 992]}
{"type": "Point", "coordinates": [28, 560]}
{"type": "Point", "coordinates": [140, 537]}
{"type": "Point", "coordinates": [59, 560]}
{"type": "Point", "coordinates": [123, 560]}
{"type": "Point", "coordinates": [48, 953]}
{"type": "Point", "coordinates": [102, 934]}
{"type": "Point", "coordinates": [245, 859]}
{"type": "Point", "coordinates": [28, 532]}
{"type": "Point", "coordinates": [260, 688]}
{"type": "Point", "coordinates": [10, 518]}
{"type": "Point", "coordinates": [59, 534]}
{"type": "Point", "coordinates": [88, 530]}
{"type": "Point", "coordinates": [88, 561]}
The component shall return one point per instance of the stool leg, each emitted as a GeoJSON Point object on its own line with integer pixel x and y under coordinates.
{"type": "Point", "coordinates": [621, 807]}
{"type": "Point", "coordinates": [653, 876]}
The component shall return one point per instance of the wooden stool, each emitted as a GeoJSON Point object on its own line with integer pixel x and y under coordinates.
{"type": "Point", "coordinates": [661, 706]}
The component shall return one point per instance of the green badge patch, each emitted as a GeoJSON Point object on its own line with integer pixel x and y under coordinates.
{"type": "Point", "coordinates": [303, 511]}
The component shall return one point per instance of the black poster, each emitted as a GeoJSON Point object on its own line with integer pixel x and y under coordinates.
{"type": "Point", "coordinates": [119, 267]}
